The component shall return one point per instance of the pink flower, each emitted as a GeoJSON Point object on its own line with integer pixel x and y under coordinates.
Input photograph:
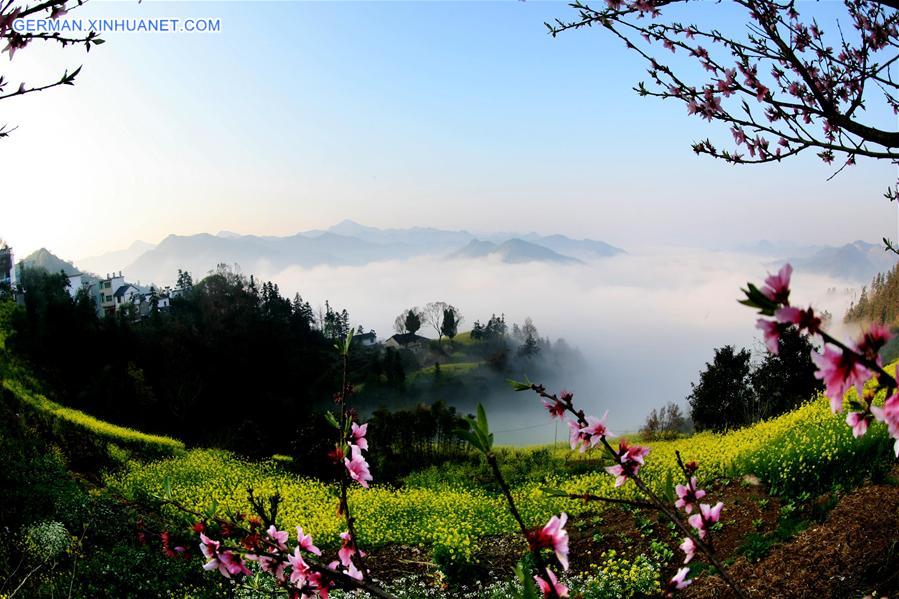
{"type": "Point", "coordinates": [889, 413]}
{"type": "Point", "coordinates": [305, 542]}
{"type": "Point", "coordinates": [299, 569]}
{"type": "Point", "coordinates": [840, 371]}
{"type": "Point", "coordinates": [347, 550]}
{"type": "Point", "coordinates": [771, 334]}
{"type": "Point", "coordinates": [689, 548]}
{"type": "Point", "coordinates": [278, 536]}
{"type": "Point", "coordinates": [711, 514]}
{"type": "Point", "coordinates": [555, 408]}
{"type": "Point", "coordinates": [859, 423]}
{"type": "Point", "coordinates": [233, 563]}
{"type": "Point", "coordinates": [210, 550]}
{"type": "Point", "coordinates": [804, 319]}
{"type": "Point", "coordinates": [273, 566]}
{"type": "Point", "coordinates": [620, 473]}
{"type": "Point", "coordinates": [777, 287]}
{"type": "Point", "coordinates": [353, 572]}
{"type": "Point", "coordinates": [687, 495]}
{"type": "Point", "coordinates": [554, 536]}
{"type": "Point", "coordinates": [575, 438]}
{"type": "Point", "coordinates": [873, 339]}
{"type": "Point", "coordinates": [632, 453]}
{"type": "Point", "coordinates": [357, 467]}
{"type": "Point", "coordinates": [358, 433]}
{"type": "Point", "coordinates": [706, 517]}
{"type": "Point", "coordinates": [679, 581]}
{"type": "Point", "coordinates": [630, 459]}
{"type": "Point", "coordinates": [225, 562]}
{"type": "Point", "coordinates": [553, 583]}
{"type": "Point", "coordinates": [595, 430]}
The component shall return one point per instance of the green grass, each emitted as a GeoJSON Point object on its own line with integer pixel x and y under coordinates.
{"type": "Point", "coordinates": [61, 422]}
{"type": "Point", "coordinates": [449, 369]}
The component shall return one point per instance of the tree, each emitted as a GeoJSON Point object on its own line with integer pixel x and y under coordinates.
{"type": "Point", "coordinates": [409, 321]}
{"type": "Point", "coordinates": [433, 315]}
{"type": "Point", "coordinates": [784, 381]}
{"type": "Point", "coordinates": [452, 318]}
{"type": "Point", "coordinates": [666, 423]}
{"type": "Point", "coordinates": [787, 86]}
{"type": "Point", "coordinates": [723, 397]}
{"type": "Point", "coordinates": [17, 40]}
{"type": "Point", "coordinates": [530, 345]}
{"type": "Point", "coordinates": [185, 281]}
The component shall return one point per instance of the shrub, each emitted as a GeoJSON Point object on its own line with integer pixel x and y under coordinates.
{"type": "Point", "coordinates": [46, 541]}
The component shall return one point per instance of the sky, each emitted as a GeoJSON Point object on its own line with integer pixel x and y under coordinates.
{"type": "Point", "coordinates": [448, 114]}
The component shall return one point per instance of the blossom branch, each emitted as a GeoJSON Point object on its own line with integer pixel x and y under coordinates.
{"type": "Point", "coordinates": [589, 432]}
{"type": "Point", "coordinates": [810, 84]}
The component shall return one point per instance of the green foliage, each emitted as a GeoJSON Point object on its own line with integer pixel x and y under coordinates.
{"type": "Point", "coordinates": [84, 437]}
{"type": "Point", "coordinates": [620, 578]}
{"type": "Point", "coordinates": [45, 541]}
{"type": "Point", "coordinates": [732, 392]}
{"type": "Point", "coordinates": [456, 567]}
{"type": "Point", "coordinates": [879, 303]}
{"type": "Point", "coordinates": [187, 364]}
{"type": "Point", "coordinates": [477, 432]}
{"type": "Point", "coordinates": [403, 441]}
{"type": "Point", "coordinates": [784, 381]}
{"type": "Point", "coordinates": [720, 398]}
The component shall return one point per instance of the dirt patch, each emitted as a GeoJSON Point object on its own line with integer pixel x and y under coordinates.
{"type": "Point", "coordinates": [854, 551]}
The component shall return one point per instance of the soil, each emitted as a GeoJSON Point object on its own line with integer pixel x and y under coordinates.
{"type": "Point", "coordinates": [854, 552]}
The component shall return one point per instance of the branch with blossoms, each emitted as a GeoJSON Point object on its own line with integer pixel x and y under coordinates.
{"type": "Point", "coordinates": [588, 433]}
{"type": "Point", "coordinates": [551, 536]}
{"type": "Point", "coordinates": [841, 366]}
{"type": "Point", "coordinates": [807, 92]}
{"type": "Point", "coordinates": [10, 11]}
{"type": "Point", "coordinates": [787, 86]}
{"type": "Point", "coordinates": [299, 571]}
{"type": "Point", "coordinates": [350, 445]}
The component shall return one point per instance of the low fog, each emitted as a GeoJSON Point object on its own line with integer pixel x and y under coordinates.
{"type": "Point", "coordinates": [645, 322]}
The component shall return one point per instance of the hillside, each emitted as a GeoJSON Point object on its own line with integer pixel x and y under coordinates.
{"type": "Point", "coordinates": [446, 519]}
{"type": "Point", "coordinates": [878, 302]}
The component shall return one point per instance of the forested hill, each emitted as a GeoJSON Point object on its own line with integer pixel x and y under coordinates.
{"type": "Point", "coordinates": [230, 352]}
{"type": "Point", "coordinates": [879, 302]}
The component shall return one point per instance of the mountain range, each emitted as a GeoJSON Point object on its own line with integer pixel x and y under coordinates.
{"type": "Point", "coordinates": [345, 244]}
{"type": "Point", "coordinates": [352, 244]}
{"type": "Point", "coordinates": [858, 261]}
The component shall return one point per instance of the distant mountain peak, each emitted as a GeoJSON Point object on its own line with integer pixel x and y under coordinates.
{"type": "Point", "coordinates": [47, 260]}
{"type": "Point", "coordinates": [513, 251]}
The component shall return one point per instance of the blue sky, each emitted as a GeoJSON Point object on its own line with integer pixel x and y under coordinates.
{"type": "Point", "coordinates": [448, 114]}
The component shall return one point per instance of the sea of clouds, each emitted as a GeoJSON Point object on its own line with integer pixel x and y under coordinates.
{"type": "Point", "coordinates": [646, 322]}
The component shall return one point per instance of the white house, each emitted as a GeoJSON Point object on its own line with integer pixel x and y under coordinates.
{"type": "Point", "coordinates": [365, 339]}
{"type": "Point", "coordinates": [125, 295]}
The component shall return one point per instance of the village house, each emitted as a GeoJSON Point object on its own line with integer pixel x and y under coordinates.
{"type": "Point", "coordinates": [409, 341]}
